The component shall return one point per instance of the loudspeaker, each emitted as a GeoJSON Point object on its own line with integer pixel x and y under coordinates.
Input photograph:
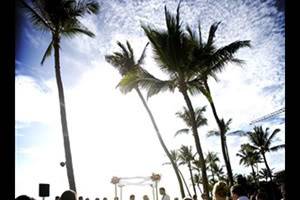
{"type": "Point", "coordinates": [44, 190]}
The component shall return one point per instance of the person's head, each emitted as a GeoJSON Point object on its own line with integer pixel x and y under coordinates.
{"type": "Point", "coordinates": [145, 197]}
{"type": "Point", "coordinates": [261, 196]}
{"type": "Point", "coordinates": [97, 198]}
{"type": "Point", "coordinates": [23, 197]}
{"type": "Point", "coordinates": [87, 198]}
{"type": "Point", "coordinates": [204, 196]}
{"type": "Point", "coordinates": [176, 198]}
{"type": "Point", "coordinates": [162, 191]}
{"type": "Point", "coordinates": [80, 198]}
{"type": "Point", "coordinates": [68, 195]}
{"type": "Point", "coordinates": [220, 190]}
{"type": "Point", "coordinates": [237, 191]}
{"type": "Point", "coordinates": [57, 198]}
{"type": "Point", "coordinates": [132, 197]}
{"type": "Point", "coordinates": [104, 198]}
{"type": "Point", "coordinates": [194, 197]}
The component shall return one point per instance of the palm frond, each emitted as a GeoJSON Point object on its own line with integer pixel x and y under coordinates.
{"type": "Point", "coordinates": [278, 147]}
{"type": "Point", "coordinates": [86, 6]}
{"type": "Point", "coordinates": [35, 17]}
{"type": "Point", "coordinates": [143, 55]}
{"type": "Point", "coordinates": [237, 133]}
{"type": "Point", "coordinates": [213, 133]}
{"type": "Point", "coordinates": [72, 32]}
{"type": "Point", "coordinates": [212, 32]}
{"type": "Point", "coordinates": [47, 52]}
{"type": "Point", "coordinates": [182, 131]}
{"type": "Point", "coordinates": [154, 85]}
{"type": "Point", "coordinates": [274, 133]}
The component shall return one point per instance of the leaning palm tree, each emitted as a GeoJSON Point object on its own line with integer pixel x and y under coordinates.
{"type": "Point", "coordinates": [249, 157]}
{"type": "Point", "coordinates": [261, 141]}
{"type": "Point", "coordinates": [171, 52]}
{"type": "Point", "coordinates": [61, 19]}
{"type": "Point", "coordinates": [186, 156]}
{"type": "Point", "coordinates": [208, 60]}
{"type": "Point", "coordinates": [125, 63]}
{"type": "Point", "coordinates": [176, 159]}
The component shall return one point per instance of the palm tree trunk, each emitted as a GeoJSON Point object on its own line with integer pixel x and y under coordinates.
{"type": "Point", "coordinates": [222, 134]}
{"type": "Point", "coordinates": [197, 141]}
{"type": "Point", "coordinates": [267, 166]}
{"type": "Point", "coordinates": [199, 188]}
{"type": "Point", "coordinates": [254, 175]}
{"type": "Point", "coordinates": [69, 164]}
{"type": "Point", "coordinates": [162, 142]}
{"type": "Point", "coordinates": [193, 182]}
{"type": "Point", "coordinates": [185, 184]}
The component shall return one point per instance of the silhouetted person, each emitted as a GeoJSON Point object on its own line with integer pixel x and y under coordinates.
{"type": "Point", "coordinates": [162, 191]}
{"type": "Point", "coordinates": [80, 198]}
{"type": "Point", "coordinates": [220, 191]}
{"type": "Point", "coordinates": [145, 197]}
{"type": "Point", "coordinates": [23, 197]}
{"type": "Point", "coordinates": [68, 195]}
{"type": "Point", "coordinates": [132, 197]}
{"type": "Point", "coordinates": [261, 196]}
{"type": "Point", "coordinates": [238, 192]}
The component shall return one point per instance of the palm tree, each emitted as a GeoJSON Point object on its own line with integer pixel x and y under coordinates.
{"type": "Point", "coordinates": [249, 157]}
{"type": "Point", "coordinates": [261, 141]}
{"type": "Point", "coordinates": [186, 156]}
{"type": "Point", "coordinates": [125, 62]}
{"type": "Point", "coordinates": [61, 19]}
{"type": "Point", "coordinates": [176, 159]}
{"type": "Point", "coordinates": [198, 180]}
{"type": "Point", "coordinates": [208, 60]}
{"type": "Point", "coordinates": [171, 52]}
{"type": "Point", "coordinates": [211, 160]}
{"type": "Point", "coordinates": [264, 173]}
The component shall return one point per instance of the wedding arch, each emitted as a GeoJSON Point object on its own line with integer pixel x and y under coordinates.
{"type": "Point", "coordinates": [152, 181]}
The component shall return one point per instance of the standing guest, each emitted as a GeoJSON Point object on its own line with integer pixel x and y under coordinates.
{"type": "Point", "coordinates": [23, 197]}
{"type": "Point", "coordinates": [162, 191]}
{"type": "Point", "coordinates": [238, 192]}
{"type": "Point", "coordinates": [261, 196]}
{"type": "Point", "coordinates": [68, 195]}
{"type": "Point", "coordinates": [220, 191]}
{"type": "Point", "coordinates": [145, 197]}
{"type": "Point", "coordinates": [132, 197]}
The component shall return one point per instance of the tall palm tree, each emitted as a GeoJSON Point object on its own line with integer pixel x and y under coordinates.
{"type": "Point", "coordinates": [208, 60]}
{"type": "Point", "coordinates": [171, 52]}
{"type": "Point", "coordinates": [198, 180]}
{"type": "Point", "coordinates": [249, 157]}
{"type": "Point", "coordinates": [261, 141]}
{"type": "Point", "coordinates": [176, 159]}
{"type": "Point", "coordinates": [124, 62]}
{"type": "Point", "coordinates": [186, 156]}
{"type": "Point", "coordinates": [61, 19]}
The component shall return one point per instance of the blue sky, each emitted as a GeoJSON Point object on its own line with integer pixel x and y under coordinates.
{"type": "Point", "coordinates": [110, 133]}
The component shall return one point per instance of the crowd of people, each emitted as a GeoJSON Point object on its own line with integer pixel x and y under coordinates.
{"type": "Point", "coordinates": [220, 191]}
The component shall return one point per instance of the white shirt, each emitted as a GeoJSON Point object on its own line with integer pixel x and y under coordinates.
{"type": "Point", "coordinates": [243, 198]}
{"type": "Point", "coordinates": [165, 197]}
